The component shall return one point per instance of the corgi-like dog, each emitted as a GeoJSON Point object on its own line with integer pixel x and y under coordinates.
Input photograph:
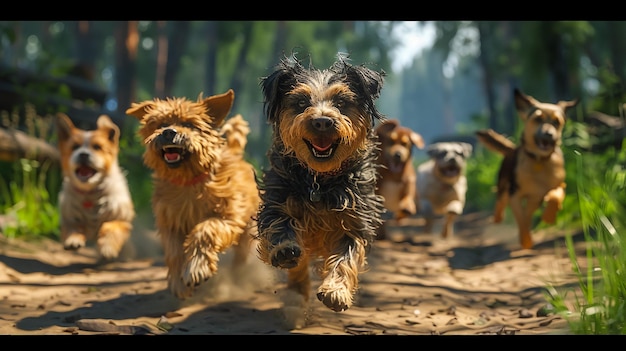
{"type": "Point", "coordinates": [94, 202]}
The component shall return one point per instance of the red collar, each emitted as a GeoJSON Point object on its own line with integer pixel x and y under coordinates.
{"type": "Point", "coordinates": [193, 181]}
{"type": "Point", "coordinates": [87, 203]}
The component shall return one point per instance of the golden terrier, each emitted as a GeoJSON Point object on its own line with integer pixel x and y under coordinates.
{"type": "Point", "coordinates": [319, 200]}
{"type": "Point", "coordinates": [94, 201]}
{"type": "Point", "coordinates": [205, 193]}
{"type": "Point", "coordinates": [533, 172]}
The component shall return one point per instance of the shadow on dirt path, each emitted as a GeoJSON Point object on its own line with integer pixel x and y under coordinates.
{"type": "Point", "coordinates": [477, 282]}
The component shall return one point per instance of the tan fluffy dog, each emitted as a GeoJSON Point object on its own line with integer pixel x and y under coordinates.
{"type": "Point", "coordinates": [532, 173]}
{"type": "Point", "coordinates": [397, 177]}
{"type": "Point", "coordinates": [205, 194]}
{"type": "Point", "coordinates": [94, 201]}
{"type": "Point", "coordinates": [442, 184]}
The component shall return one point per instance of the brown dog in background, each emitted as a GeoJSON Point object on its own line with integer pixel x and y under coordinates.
{"type": "Point", "coordinates": [94, 201]}
{"type": "Point", "coordinates": [533, 172]}
{"type": "Point", "coordinates": [396, 176]}
{"type": "Point", "coordinates": [205, 194]}
{"type": "Point", "coordinates": [319, 200]}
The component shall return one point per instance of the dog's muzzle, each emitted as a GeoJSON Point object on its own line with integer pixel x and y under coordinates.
{"type": "Point", "coordinates": [322, 146]}
{"type": "Point", "coordinates": [545, 140]}
{"type": "Point", "coordinates": [171, 145]}
{"type": "Point", "coordinates": [84, 170]}
{"type": "Point", "coordinates": [450, 169]}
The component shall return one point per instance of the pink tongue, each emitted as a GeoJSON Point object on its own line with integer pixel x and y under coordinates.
{"type": "Point", "coordinates": [171, 156]}
{"type": "Point", "coordinates": [85, 172]}
{"type": "Point", "coordinates": [319, 148]}
{"type": "Point", "coordinates": [322, 144]}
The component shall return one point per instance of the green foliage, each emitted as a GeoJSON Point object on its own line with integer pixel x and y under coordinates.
{"type": "Point", "coordinates": [599, 306]}
{"type": "Point", "coordinates": [482, 173]}
{"type": "Point", "coordinates": [28, 208]}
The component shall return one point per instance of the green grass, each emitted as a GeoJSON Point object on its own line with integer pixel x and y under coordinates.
{"type": "Point", "coordinates": [599, 307]}
{"type": "Point", "coordinates": [28, 208]}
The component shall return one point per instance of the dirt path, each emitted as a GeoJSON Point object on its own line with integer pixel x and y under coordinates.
{"type": "Point", "coordinates": [475, 283]}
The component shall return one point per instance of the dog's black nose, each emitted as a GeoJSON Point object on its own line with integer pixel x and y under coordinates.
{"type": "Point", "coordinates": [169, 133]}
{"type": "Point", "coordinates": [322, 123]}
{"type": "Point", "coordinates": [83, 157]}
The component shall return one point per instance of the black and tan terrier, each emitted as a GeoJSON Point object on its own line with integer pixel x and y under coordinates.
{"type": "Point", "coordinates": [319, 200]}
{"type": "Point", "coordinates": [533, 172]}
{"type": "Point", "coordinates": [205, 193]}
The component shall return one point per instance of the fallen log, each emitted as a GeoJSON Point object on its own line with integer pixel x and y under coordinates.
{"type": "Point", "coordinates": [15, 144]}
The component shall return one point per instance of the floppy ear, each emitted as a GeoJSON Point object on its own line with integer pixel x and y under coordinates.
{"type": "Point", "coordinates": [138, 110]}
{"type": "Point", "coordinates": [386, 126]}
{"type": "Point", "coordinates": [218, 106]}
{"type": "Point", "coordinates": [105, 122]}
{"type": "Point", "coordinates": [417, 140]}
{"type": "Point", "coordinates": [281, 80]}
{"type": "Point", "coordinates": [64, 126]}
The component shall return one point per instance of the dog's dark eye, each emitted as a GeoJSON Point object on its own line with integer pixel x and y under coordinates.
{"type": "Point", "coordinates": [75, 146]}
{"type": "Point", "coordinates": [303, 103]}
{"type": "Point", "coordinates": [188, 125]}
{"type": "Point", "coordinates": [163, 125]}
{"type": "Point", "coordinates": [96, 146]}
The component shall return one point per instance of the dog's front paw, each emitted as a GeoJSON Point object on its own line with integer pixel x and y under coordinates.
{"type": "Point", "coordinates": [286, 255]}
{"type": "Point", "coordinates": [74, 242]}
{"type": "Point", "coordinates": [337, 299]}
{"type": "Point", "coordinates": [199, 268]}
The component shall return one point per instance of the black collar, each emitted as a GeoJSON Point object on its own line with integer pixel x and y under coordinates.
{"type": "Point", "coordinates": [535, 156]}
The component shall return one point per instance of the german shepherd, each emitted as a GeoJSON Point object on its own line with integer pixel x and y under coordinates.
{"type": "Point", "coordinates": [533, 172]}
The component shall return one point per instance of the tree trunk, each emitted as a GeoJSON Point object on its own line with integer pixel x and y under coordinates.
{"type": "Point", "coordinates": [211, 31]}
{"type": "Point", "coordinates": [176, 48]}
{"type": "Point", "coordinates": [126, 43]}
{"type": "Point", "coordinates": [161, 60]}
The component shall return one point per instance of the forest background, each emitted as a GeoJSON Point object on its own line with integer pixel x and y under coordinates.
{"type": "Point", "coordinates": [461, 83]}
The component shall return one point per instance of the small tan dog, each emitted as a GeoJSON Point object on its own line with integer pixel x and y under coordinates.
{"type": "Point", "coordinates": [205, 194]}
{"type": "Point", "coordinates": [397, 179]}
{"type": "Point", "coordinates": [532, 173]}
{"type": "Point", "coordinates": [442, 184]}
{"type": "Point", "coordinates": [94, 202]}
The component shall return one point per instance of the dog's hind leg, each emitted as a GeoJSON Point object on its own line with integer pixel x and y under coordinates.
{"type": "Point", "coordinates": [448, 225]}
{"type": "Point", "coordinates": [299, 279]}
{"type": "Point", "coordinates": [173, 255]}
{"type": "Point", "coordinates": [523, 214]}
{"type": "Point", "coordinates": [454, 209]}
{"type": "Point", "coordinates": [243, 249]}
{"type": "Point", "coordinates": [554, 201]}
{"type": "Point", "coordinates": [340, 275]}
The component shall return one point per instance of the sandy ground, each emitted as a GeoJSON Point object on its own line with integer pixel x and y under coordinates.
{"type": "Point", "coordinates": [476, 283]}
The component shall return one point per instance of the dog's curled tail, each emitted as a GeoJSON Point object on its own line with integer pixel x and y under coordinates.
{"type": "Point", "coordinates": [495, 142]}
{"type": "Point", "coordinates": [236, 131]}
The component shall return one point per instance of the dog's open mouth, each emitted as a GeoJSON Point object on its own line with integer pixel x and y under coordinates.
{"type": "Point", "coordinates": [322, 147]}
{"type": "Point", "coordinates": [545, 143]}
{"type": "Point", "coordinates": [173, 155]}
{"type": "Point", "coordinates": [396, 165]}
{"type": "Point", "coordinates": [450, 170]}
{"type": "Point", "coordinates": [84, 173]}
